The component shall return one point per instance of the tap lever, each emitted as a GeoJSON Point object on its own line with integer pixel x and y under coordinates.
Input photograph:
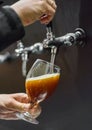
{"type": "Point", "coordinates": [49, 33]}
{"type": "Point", "coordinates": [49, 25]}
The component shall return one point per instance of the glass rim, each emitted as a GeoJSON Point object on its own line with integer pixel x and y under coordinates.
{"type": "Point", "coordinates": [49, 63]}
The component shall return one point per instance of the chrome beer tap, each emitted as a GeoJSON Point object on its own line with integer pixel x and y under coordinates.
{"type": "Point", "coordinates": [78, 37]}
{"type": "Point", "coordinates": [24, 53]}
{"type": "Point", "coordinates": [52, 42]}
{"type": "Point", "coordinates": [20, 51]}
{"type": "Point", "coordinates": [50, 37]}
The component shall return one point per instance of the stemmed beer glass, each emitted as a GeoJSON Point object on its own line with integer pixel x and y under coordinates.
{"type": "Point", "coordinates": [41, 81]}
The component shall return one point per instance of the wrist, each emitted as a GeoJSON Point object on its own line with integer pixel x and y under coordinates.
{"type": "Point", "coordinates": [21, 14]}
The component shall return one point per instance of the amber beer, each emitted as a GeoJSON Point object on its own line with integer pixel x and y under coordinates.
{"type": "Point", "coordinates": [42, 84]}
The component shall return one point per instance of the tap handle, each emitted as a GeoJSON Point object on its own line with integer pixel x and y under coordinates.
{"type": "Point", "coordinates": [49, 25]}
{"type": "Point", "coordinates": [49, 28]}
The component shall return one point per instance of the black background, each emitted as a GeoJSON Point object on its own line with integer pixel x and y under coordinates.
{"type": "Point", "coordinates": [70, 107]}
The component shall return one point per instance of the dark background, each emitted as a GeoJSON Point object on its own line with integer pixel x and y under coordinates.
{"type": "Point", "coordinates": [70, 107]}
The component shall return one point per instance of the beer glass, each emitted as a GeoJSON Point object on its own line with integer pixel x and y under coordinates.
{"type": "Point", "coordinates": [41, 81]}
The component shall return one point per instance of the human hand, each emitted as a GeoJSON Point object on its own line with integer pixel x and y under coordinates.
{"type": "Point", "coordinates": [10, 104]}
{"type": "Point", "coordinates": [30, 11]}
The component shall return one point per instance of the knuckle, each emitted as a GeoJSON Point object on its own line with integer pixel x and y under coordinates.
{"type": "Point", "coordinates": [42, 3]}
{"type": "Point", "coordinates": [43, 6]}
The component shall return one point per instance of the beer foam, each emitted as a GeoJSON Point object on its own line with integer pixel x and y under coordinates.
{"type": "Point", "coordinates": [43, 76]}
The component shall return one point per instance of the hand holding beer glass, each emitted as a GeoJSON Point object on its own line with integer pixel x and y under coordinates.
{"type": "Point", "coordinates": [41, 81]}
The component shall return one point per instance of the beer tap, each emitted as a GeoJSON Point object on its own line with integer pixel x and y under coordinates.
{"type": "Point", "coordinates": [78, 37]}
{"type": "Point", "coordinates": [52, 42]}
{"type": "Point", "coordinates": [50, 37]}
{"type": "Point", "coordinates": [24, 56]}
{"type": "Point", "coordinates": [24, 53]}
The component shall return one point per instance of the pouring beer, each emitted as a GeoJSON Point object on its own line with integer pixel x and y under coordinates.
{"type": "Point", "coordinates": [41, 81]}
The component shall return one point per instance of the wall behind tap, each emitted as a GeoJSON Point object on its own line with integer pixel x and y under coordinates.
{"type": "Point", "coordinates": [70, 106]}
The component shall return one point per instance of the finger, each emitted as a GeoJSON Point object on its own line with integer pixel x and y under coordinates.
{"type": "Point", "coordinates": [52, 3]}
{"type": "Point", "coordinates": [9, 116]}
{"type": "Point", "coordinates": [50, 10]}
{"type": "Point", "coordinates": [18, 106]}
{"type": "Point", "coordinates": [21, 97]}
{"type": "Point", "coordinates": [46, 20]}
{"type": "Point", "coordinates": [48, 6]}
{"type": "Point", "coordinates": [6, 111]}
